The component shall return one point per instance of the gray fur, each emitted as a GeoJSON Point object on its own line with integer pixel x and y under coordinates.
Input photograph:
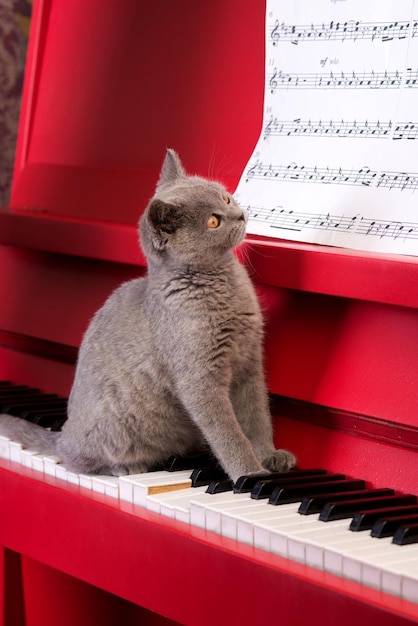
{"type": "Point", "coordinates": [172, 363]}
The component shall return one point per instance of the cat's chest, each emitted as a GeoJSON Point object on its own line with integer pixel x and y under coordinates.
{"type": "Point", "coordinates": [219, 301]}
{"type": "Point", "coordinates": [218, 320]}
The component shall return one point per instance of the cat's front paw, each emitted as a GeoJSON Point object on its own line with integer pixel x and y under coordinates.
{"type": "Point", "coordinates": [279, 461]}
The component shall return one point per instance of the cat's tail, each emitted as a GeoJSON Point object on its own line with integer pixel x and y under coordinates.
{"type": "Point", "coordinates": [29, 435]}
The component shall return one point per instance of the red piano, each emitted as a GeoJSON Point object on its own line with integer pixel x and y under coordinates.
{"type": "Point", "coordinates": [109, 86]}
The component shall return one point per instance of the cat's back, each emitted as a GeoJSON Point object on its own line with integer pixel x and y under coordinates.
{"type": "Point", "coordinates": [120, 320]}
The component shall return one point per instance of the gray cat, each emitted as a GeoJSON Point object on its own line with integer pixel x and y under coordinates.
{"type": "Point", "coordinates": [172, 363]}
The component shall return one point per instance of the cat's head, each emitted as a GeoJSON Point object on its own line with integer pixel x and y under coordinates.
{"type": "Point", "coordinates": [190, 220]}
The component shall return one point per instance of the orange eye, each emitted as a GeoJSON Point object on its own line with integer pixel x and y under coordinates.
{"type": "Point", "coordinates": [213, 221]}
{"type": "Point", "coordinates": [226, 198]}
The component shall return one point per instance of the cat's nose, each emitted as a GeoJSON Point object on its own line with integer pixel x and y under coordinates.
{"type": "Point", "coordinates": [243, 217]}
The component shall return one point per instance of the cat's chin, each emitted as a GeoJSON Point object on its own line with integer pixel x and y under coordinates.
{"type": "Point", "coordinates": [237, 236]}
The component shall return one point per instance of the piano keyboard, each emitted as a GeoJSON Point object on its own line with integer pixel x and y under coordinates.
{"type": "Point", "coordinates": [326, 521]}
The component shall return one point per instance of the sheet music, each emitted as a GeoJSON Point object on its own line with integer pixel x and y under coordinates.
{"type": "Point", "coordinates": [336, 162]}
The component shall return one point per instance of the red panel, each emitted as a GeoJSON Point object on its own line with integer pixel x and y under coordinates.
{"type": "Point", "coordinates": [11, 597]}
{"type": "Point", "coordinates": [53, 297]}
{"type": "Point", "coordinates": [373, 277]}
{"type": "Point", "coordinates": [354, 355]}
{"type": "Point", "coordinates": [30, 369]}
{"type": "Point", "coordinates": [367, 276]}
{"type": "Point", "coordinates": [52, 598]}
{"type": "Point", "coordinates": [185, 574]}
{"type": "Point", "coordinates": [380, 464]}
{"type": "Point", "coordinates": [110, 85]}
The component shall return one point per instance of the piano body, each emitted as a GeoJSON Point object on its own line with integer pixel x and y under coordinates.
{"type": "Point", "coordinates": [109, 85]}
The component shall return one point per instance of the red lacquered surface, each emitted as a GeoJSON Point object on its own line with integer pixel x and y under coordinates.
{"type": "Point", "coordinates": [108, 87]}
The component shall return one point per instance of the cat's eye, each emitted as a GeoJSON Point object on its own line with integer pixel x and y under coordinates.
{"type": "Point", "coordinates": [226, 198]}
{"type": "Point", "coordinates": [214, 221]}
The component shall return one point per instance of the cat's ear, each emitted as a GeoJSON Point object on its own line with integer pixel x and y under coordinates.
{"type": "Point", "coordinates": [163, 219]}
{"type": "Point", "coordinates": [171, 170]}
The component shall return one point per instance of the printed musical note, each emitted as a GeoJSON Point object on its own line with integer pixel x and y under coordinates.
{"type": "Point", "coordinates": [280, 218]}
{"type": "Point", "coordinates": [363, 176]}
{"type": "Point", "coordinates": [342, 80]}
{"type": "Point", "coordinates": [344, 129]}
{"type": "Point", "coordinates": [351, 30]}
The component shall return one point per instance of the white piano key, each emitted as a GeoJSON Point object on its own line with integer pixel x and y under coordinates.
{"type": "Point", "coordinates": [377, 560]}
{"type": "Point", "coordinates": [409, 588]}
{"type": "Point", "coordinates": [26, 457]}
{"type": "Point", "coordinates": [391, 580]}
{"type": "Point", "coordinates": [15, 450]}
{"type": "Point", "coordinates": [86, 481]}
{"type": "Point", "coordinates": [263, 528]}
{"type": "Point", "coordinates": [286, 520]}
{"type": "Point", "coordinates": [173, 499]}
{"type": "Point", "coordinates": [231, 519]}
{"type": "Point", "coordinates": [335, 553]}
{"type": "Point", "coordinates": [179, 508]}
{"type": "Point", "coordinates": [128, 483]}
{"type": "Point", "coordinates": [182, 505]}
{"type": "Point", "coordinates": [216, 511]}
{"type": "Point", "coordinates": [208, 510]}
{"type": "Point", "coordinates": [240, 521]}
{"type": "Point", "coordinates": [108, 485]}
{"type": "Point", "coordinates": [401, 577]}
{"type": "Point", "coordinates": [200, 504]}
{"type": "Point", "coordinates": [38, 463]}
{"type": "Point", "coordinates": [61, 472]}
{"type": "Point", "coordinates": [341, 552]}
{"type": "Point", "coordinates": [314, 541]}
{"type": "Point", "coordinates": [247, 520]}
{"type": "Point", "coordinates": [291, 541]}
{"type": "Point", "coordinates": [146, 484]}
{"type": "Point", "coordinates": [126, 490]}
{"type": "Point", "coordinates": [50, 464]}
{"type": "Point", "coordinates": [359, 555]}
{"type": "Point", "coordinates": [4, 447]}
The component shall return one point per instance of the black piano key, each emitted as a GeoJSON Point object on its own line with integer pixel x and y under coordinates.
{"type": "Point", "coordinates": [204, 475]}
{"type": "Point", "coordinates": [244, 484]}
{"type": "Point", "coordinates": [264, 489]}
{"type": "Point", "coordinates": [16, 392]}
{"type": "Point", "coordinates": [347, 508]}
{"type": "Point", "coordinates": [37, 416]}
{"type": "Point", "coordinates": [4, 384]}
{"type": "Point", "coordinates": [315, 503]}
{"type": "Point", "coordinates": [286, 495]}
{"type": "Point", "coordinates": [58, 424]}
{"type": "Point", "coordinates": [31, 397]}
{"type": "Point", "coordinates": [22, 396]}
{"type": "Point", "coordinates": [19, 408]}
{"type": "Point", "coordinates": [27, 400]}
{"type": "Point", "coordinates": [387, 526]}
{"type": "Point", "coordinates": [220, 486]}
{"type": "Point", "coordinates": [364, 520]}
{"type": "Point", "coordinates": [47, 420]}
{"type": "Point", "coordinates": [197, 461]}
{"type": "Point", "coordinates": [406, 535]}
